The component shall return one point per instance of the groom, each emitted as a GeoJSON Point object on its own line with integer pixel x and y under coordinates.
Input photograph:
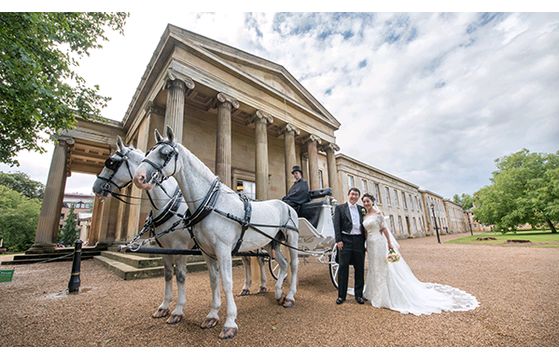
{"type": "Point", "coordinates": [350, 240]}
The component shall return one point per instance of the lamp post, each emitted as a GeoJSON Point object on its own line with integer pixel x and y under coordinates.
{"type": "Point", "coordinates": [469, 223]}
{"type": "Point", "coordinates": [435, 221]}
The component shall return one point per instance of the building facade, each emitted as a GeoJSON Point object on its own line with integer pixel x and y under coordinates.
{"type": "Point", "coordinates": [398, 199]}
{"type": "Point", "coordinates": [457, 220]}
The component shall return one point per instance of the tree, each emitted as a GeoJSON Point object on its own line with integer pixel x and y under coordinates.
{"type": "Point", "coordinates": [68, 234]}
{"type": "Point", "coordinates": [40, 92]}
{"type": "Point", "coordinates": [466, 201]}
{"type": "Point", "coordinates": [21, 183]}
{"type": "Point", "coordinates": [524, 189]}
{"type": "Point", "coordinates": [18, 219]}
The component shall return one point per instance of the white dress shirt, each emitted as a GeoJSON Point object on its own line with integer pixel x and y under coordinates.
{"type": "Point", "coordinates": [354, 211]}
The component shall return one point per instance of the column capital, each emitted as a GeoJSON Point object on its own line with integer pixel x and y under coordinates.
{"type": "Point", "coordinates": [261, 117]}
{"type": "Point", "coordinates": [224, 99]}
{"type": "Point", "coordinates": [330, 147]}
{"type": "Point", "coordinates": [174, 78]}
{"type": "Point", "coordinates": [312, 138]}
{"type": "Point", "coordinates": [288, 128]}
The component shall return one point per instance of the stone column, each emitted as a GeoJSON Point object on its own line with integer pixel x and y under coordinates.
{"type": "Point", "coordinates": [261, 120]}
{"type": "Point", "coordinates": [289, 132]}
{"type": "Point", "coordinates": [224, 106]}
{"type": "Point", "coordinates": [312, 149]}
{"type": "Point", "coordinates": [332, 170]}
{"type": "Point", "coordinates": [134, 215]}
{"type": "Point", "coordinates": [177, 86]}
{"type": "Point", "coordinates": [49, 217]}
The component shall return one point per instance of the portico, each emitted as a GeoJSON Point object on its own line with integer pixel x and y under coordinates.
{"type": "Point", "coordinates": [246, 118]}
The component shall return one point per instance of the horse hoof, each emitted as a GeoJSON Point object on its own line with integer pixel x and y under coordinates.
{"type": "Point", "coordinates": [263, 290]}
{"type": "Point", "coordinates": [209, 323]}
{"type": "Point", "coordinates": [288, 303]}
{"type": "Point", "coordinates": [160, 313]}
{"type": "Point", "coordinates": [174, 319]}
{"type": "Point", "coordinates": [228, 333]}
{"type": "Point", "coordinates": [245, 292]}
{"type": "Point", "coordinates": [281, 299]}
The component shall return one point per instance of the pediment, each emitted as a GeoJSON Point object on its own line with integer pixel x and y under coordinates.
{"type": "Point", "coordinates": [254, 68]}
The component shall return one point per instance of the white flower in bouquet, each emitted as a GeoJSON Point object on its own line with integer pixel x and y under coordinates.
{"type": "Point", "coordinates": [392, 256]}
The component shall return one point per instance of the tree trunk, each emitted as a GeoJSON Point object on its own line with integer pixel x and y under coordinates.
{"type": "Point", "coordinates": [550, 223]}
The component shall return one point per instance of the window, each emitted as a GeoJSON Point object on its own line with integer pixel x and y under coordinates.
{"type": "Point", "coordinates": [388, 196]}
{"type": "Point", "coordinates": [400, 225]}
{"type": "Point", "coordinates": [418, 203]}
{"type": "Point", "coordinates": [392, 227]}
{"type": "Point", "coordinates": [396, 200]}
{"type": "Point", "coordinates": [248, 188]}
{"type": "Point", "coordinates": [377, 190]}
{"type": "Point", "coordinates": [350, 181]}
{"type": "Point", "coordinates": [365, 186]}
{"type": "Point", "coordinates": [320, 179]}
{"type": "Point", "coordinates": [414, 225]}
{"type": "Point", "coordinates": [405, 201]}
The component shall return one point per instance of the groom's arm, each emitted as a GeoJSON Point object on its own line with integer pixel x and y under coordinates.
{"type": "Point", "coordinates": [337, 224]}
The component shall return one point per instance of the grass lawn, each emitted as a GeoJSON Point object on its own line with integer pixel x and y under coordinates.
{"type": "Point", "coordinates": [537, 239]}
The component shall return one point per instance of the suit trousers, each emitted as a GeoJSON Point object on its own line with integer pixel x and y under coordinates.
{"type": "Point", "coordinates": [352, 254]}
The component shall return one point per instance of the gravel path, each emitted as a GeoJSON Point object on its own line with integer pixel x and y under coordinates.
{"type": "Point", "coordinates": [517, 287]}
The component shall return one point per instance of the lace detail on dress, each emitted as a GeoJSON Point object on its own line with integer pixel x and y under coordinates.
{"type": "Point", "coordinates": [394, 286]}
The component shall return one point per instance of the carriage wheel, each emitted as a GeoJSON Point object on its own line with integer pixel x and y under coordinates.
{"type": "Point", "coordinates": [274, 267]}
{"type": "Point", "coordinates": [334, 266]}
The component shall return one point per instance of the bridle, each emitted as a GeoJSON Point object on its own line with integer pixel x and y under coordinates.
{"type": "Point", "coordinates": [114, 165]}
{"type": "Point", "coordinates": [158, 176]}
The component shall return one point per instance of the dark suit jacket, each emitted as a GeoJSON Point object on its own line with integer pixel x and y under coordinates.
{"type": "Point", "coordinates": [343, 223]}
{"type": "Point", "coordinates": [298, 192]}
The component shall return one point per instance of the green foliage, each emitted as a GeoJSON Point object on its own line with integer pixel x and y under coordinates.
{"type": "Point", "coordinates": [524, 189]}
{"type": "Point", "coordinates": [40, 92]}
{"type": "Point", "coordinates": [69, 234]}
{"type": "Point", "coordinates": [18, 219]}
{"type": "Point", "coordinates": [466, 201]}
{"type": "Point", "coordinates": [21, 183]}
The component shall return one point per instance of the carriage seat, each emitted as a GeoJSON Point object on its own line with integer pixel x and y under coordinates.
{"type": "Point", "coordinates": [311, 210]}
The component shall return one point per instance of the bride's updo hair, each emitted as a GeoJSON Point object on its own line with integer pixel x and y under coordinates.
{"type": "Point", "coordinates": [371, 197]}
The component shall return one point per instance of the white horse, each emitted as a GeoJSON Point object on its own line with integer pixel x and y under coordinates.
{"type": "Point", "coordinates": [217, 235]}
{"type": "Point", "coordinates": [117, 175]}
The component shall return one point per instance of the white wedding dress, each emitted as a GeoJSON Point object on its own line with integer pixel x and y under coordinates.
{"type": "Point", "coordinates": [394, 286]}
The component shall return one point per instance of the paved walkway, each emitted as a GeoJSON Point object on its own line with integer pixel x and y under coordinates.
{"type": "Point", "coordinates": [517, 287]}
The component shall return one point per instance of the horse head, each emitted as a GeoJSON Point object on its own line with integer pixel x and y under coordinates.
{"type": "Point", "coordinates": [160, 163]}
{"type": "Point", "coordinates": [118, 170]}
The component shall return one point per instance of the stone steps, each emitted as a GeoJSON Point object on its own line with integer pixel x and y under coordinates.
{"type": "Point", "coordinates": [65, 254]}
{"type": "Point", "coordinates": [140, 266]}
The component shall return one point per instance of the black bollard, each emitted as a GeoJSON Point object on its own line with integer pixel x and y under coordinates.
{"type": "Point", "coordinates": [74, 283]}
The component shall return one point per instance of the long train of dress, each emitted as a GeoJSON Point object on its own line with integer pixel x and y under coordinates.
{"type": "Point", "coordinates": [394, 286]}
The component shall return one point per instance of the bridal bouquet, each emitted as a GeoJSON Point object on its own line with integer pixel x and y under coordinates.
{"type": "Point", "coordinates": [392, 256]}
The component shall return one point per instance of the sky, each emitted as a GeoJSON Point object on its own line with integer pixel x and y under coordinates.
{"type": "Point", "coordinates": [433, 98]}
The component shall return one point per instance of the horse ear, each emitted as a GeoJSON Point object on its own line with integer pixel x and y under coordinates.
{"type": "Point", "coordinates": [158, 137]}
{"type": "Point", "coordinates": [120, 143]}
{"type": "Point", "coordinates": [170, 134]}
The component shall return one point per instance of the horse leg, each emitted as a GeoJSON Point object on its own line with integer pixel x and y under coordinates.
{"type": "Point", "coordinates": [263, 278]}
{"type": "Point", "coordinates": [163, 309]}
{"type": "Point", "coordinates": [180, 268]}
{"type": "Point", "coordinates": [230, 327]}
{"type": "Point", "coordinates": [248, 277]}
{"type": "Point", "coordinates": [282, 275]}
{"type": "Point", "coordinates": [292, 240]}
{"type": "Point", "coordinates": [213, 317]}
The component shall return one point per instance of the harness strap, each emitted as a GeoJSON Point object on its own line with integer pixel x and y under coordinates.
{"type": "Point", "coordinates": [246, 221]}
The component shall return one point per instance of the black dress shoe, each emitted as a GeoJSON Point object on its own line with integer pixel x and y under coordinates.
{"type": "Point", "coordinates": [360, 300]}
{"type": "Point", "coordinates": [339, 301]}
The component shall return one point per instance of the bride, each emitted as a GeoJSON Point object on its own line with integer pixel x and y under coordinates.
{"type": "Point", "coordinates": [392, 285]}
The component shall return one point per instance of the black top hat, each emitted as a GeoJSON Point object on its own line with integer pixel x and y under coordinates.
{"type": "Point", "coordinates": [297, 168]}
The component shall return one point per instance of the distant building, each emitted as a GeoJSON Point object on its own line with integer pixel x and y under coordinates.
{"type": "Point", "coordinates": [83, 209]}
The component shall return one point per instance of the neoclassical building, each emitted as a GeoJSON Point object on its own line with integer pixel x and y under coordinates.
{"type": "Point", "coordinates": [397, 198]}
{"type": "Point", "coordinates": [246, 118]}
